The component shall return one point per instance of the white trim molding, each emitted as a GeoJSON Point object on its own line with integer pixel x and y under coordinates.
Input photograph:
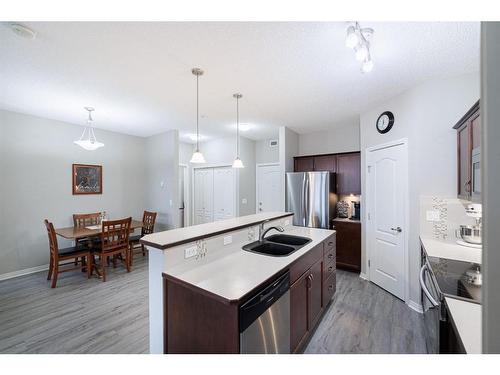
{"type": "Point", "coordinates": [26, 271]}
{"type": "Point", "coordinates": [363, 276]}
{"type": "Point", "coordinates": [415, 306]}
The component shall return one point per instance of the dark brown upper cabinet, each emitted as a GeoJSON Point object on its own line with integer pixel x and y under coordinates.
{"type": "Point", "coordinates": [469, 155]}
{"type": "Point", "coordinates": [349, 173]}
{"type": "Point", "coordinates": [304, 164]}
{"type": "Point", "coordinates": [325, 163]}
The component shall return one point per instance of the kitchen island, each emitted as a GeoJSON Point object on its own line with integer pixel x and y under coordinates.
{"type": "Point", "coordinates": [199, 277]}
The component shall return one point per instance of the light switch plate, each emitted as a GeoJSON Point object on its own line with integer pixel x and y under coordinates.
{"type": "Point", "coordinates": [228, 240]}
{"type": "Point", "coordinates": [190, 252]}
{"type": "Point", "coordinates": [432, 215]}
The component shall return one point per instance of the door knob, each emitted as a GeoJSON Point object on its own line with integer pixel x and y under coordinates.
{"type": "Point", "coordinates": [397, 229]}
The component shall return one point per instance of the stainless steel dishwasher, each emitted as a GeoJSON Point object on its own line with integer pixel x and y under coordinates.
{"type": "Point", "coordinates": [265, 319]}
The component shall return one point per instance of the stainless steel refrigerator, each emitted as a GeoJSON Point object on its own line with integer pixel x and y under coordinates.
{"type": "Point", "coordinates": [311, 197]}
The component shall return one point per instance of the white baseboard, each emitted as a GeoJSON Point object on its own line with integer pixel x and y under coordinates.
{"type": "Point", "coordinates": [415, 306]}
{"type": "Point", "coordinates": [26, 271]}
{"type": "Point", "coordinates": [363, 276]}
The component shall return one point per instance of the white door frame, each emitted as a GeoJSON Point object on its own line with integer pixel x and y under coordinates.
{"type": "Point", "coordinates": [236, 185]}
{"type": "Point", "coordinates": [257, 181]}
{"type": "Point", "coordinates": [369, 228]}
{"type": "Point", "coordinates": [187, 194]}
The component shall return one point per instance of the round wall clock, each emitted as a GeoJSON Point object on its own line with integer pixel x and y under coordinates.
{"type": "Point", "coordinates": [385, 122]}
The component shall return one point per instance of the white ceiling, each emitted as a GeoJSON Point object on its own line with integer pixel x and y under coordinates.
{"type": "Point", "coordinates": [301, 75]}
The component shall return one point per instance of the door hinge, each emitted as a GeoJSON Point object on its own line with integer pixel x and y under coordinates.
{"type": "Point", "coordinates": [369, 168]}
{"type": "Point", "coordinates": [369, 263]}
{"type": "Point", "coordinates": [369, 217]}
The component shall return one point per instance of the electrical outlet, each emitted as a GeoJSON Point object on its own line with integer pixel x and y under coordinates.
{"type": "Point", "coordinates": [432, 215]}
{"type": "Point", "coordinates": [228, 240]}
{"type": "Point", "coordinates": [190, 252]}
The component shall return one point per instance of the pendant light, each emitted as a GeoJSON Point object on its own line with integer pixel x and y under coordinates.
{"type": "Point", "coordinates": [237, 162]}
{"type": "Point", "coordinates": [90, 142]}
{"type": "Point", "coordinates": [197, 157]}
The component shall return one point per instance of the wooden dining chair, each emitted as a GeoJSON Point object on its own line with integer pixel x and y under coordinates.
{"type": "Point", "coordinates": [79, 254]}
{"type": "Point", "coordinates": [148, 226]}
{"type": "Point", "coordinates": [114, 243]}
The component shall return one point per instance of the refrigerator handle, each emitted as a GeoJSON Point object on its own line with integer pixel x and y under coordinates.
{"type": "Point", "coordinates": [306, 205]}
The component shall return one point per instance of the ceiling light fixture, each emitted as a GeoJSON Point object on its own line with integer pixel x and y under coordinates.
{"type": "Point", "coordinates": [197, 157]}
{"type": "Point", "coordinates": [237, 162]}
{"type": "Point", "coordinates": [358, 39]}
{"type": "Point", "coordinates": [22, 31]}
{"type": "Point", "coordinates": [90, 142]}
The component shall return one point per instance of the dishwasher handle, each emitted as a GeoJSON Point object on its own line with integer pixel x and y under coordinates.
{"type": "Point", "coordinates": [424, 287]}
{"type": "Point", "coordinates": [262, 300]}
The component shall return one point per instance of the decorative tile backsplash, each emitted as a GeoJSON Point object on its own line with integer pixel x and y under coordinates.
{"type": "Point", "coordinates": [446, 215]}
{"type": "Point", "coordinates": [440, 227]}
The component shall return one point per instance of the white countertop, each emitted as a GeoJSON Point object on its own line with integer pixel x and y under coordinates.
{"type": "Point", "coordinates": [450, 250]}
{"type": "Point", "coordinates": [467, 318]}
{"type": "Point", "coordinates": [174, 237]}
{"type": "Point", "coordinates": [236, 274]}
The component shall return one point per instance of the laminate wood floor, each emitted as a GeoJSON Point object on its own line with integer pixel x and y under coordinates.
{"type": "Point", "coordinates": [364, 318]}
{"type": "Point", "coordinates": [89, 316]}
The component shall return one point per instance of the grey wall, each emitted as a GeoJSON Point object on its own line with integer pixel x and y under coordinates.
{"type": "Point", "coordinates": [288, 148]}
{"type": "Point", "coordinates": [35, 167]}
{"type": "Point", "coordinates": [162, 174]}
{"type": "Point", "coordinates": [425, 116]}
{"type": "Point", "coordinates": [342, 138]}
{"type": "Point", "coordinates": [266, 154]}
{"type": "Point", "coordinates": [490, 118]}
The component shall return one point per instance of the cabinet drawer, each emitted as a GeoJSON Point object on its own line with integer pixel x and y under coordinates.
{"type": "Point", "coordinates": [329, 269]}
{"type": "Point", "coordinates": [329, 288]}
{"type": "Point", "coordinates": [330, 255]}
{"type": "Point", "coordinates": [330, 243]}
{"type": "Point", "coordinates": [305, 262]}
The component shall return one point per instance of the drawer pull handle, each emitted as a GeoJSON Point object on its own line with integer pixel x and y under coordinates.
{"type": "Point", "coordinates": [330, 256]}
{"type": "Point", "coordinates": [330, 287]}
{"type": "Point", "coordinates": [330, 269]}
{"type": "Point", "coordinates": [330, 243]}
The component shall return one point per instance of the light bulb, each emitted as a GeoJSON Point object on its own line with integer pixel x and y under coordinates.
{"type": "Point", "coordinates": [361, 52]}
{"type": "Point", "coordinates": [238, 163]}
{"type": "Point", "coordinates": [367, 66]}
{"type": "Point", "coordinates": [197, 158]}
{"type": "Point", "coordinates": [351, 39]}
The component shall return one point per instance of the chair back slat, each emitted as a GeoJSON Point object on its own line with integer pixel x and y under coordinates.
{"type": "Point", "coordinates": [148, 220]}
{"type": "Point", "coordinates": [86, 220]}
{"type": "Point", "coordinates": [53, 245]}
{"type": "Point", "coordinates": [115, 234]}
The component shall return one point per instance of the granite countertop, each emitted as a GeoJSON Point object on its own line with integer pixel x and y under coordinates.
{"type": "Point", "coordinates": [450, 250]}
{"type": "Point", "coordinates": [467, 320]}
{"type": "Point", "coordinates": [233, 276]}
{"type": "Point", "coordinates": [174, 237]}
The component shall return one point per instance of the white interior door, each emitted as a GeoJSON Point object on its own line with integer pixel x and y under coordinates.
{"type": "Point", "coordinates": [387, 197]}
{"type": "Point", "coordinates": [208, 195]}
{"type": "Point", "coordinates": [269, 197]}
{"type": "Point", "coordinates": [223, 193]}
{"type": "Point", "coordinates": [199, 175]}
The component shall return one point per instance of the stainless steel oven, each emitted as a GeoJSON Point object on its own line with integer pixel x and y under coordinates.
{"type": "Point", "coordinates": [433, 309]}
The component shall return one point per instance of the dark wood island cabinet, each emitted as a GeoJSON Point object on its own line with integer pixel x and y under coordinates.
{"type": "Point", "coordinates": [197, 321]}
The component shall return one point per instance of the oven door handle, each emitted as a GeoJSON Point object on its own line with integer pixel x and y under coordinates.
{"type": "Point", "coordinates": [424, 287]}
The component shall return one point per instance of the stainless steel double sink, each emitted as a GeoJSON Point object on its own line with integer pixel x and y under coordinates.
{"type": "Point", "coordinates": [277, 245]}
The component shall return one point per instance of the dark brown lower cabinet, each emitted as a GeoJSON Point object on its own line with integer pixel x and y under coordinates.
{"type": "Point", "coordinates": [348, 245]}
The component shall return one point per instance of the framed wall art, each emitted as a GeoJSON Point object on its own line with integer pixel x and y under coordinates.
{"type": "Point", "coordinates": [87, 179]}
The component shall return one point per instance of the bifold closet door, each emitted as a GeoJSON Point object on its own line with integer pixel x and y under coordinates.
{"type": "Point", "coordinates": [203, 195]}
{"type": "Point", "coordinates": [224, 193]}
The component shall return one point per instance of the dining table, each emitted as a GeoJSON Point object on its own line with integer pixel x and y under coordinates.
{"type": "Point", "coordinates": [74, 233]}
